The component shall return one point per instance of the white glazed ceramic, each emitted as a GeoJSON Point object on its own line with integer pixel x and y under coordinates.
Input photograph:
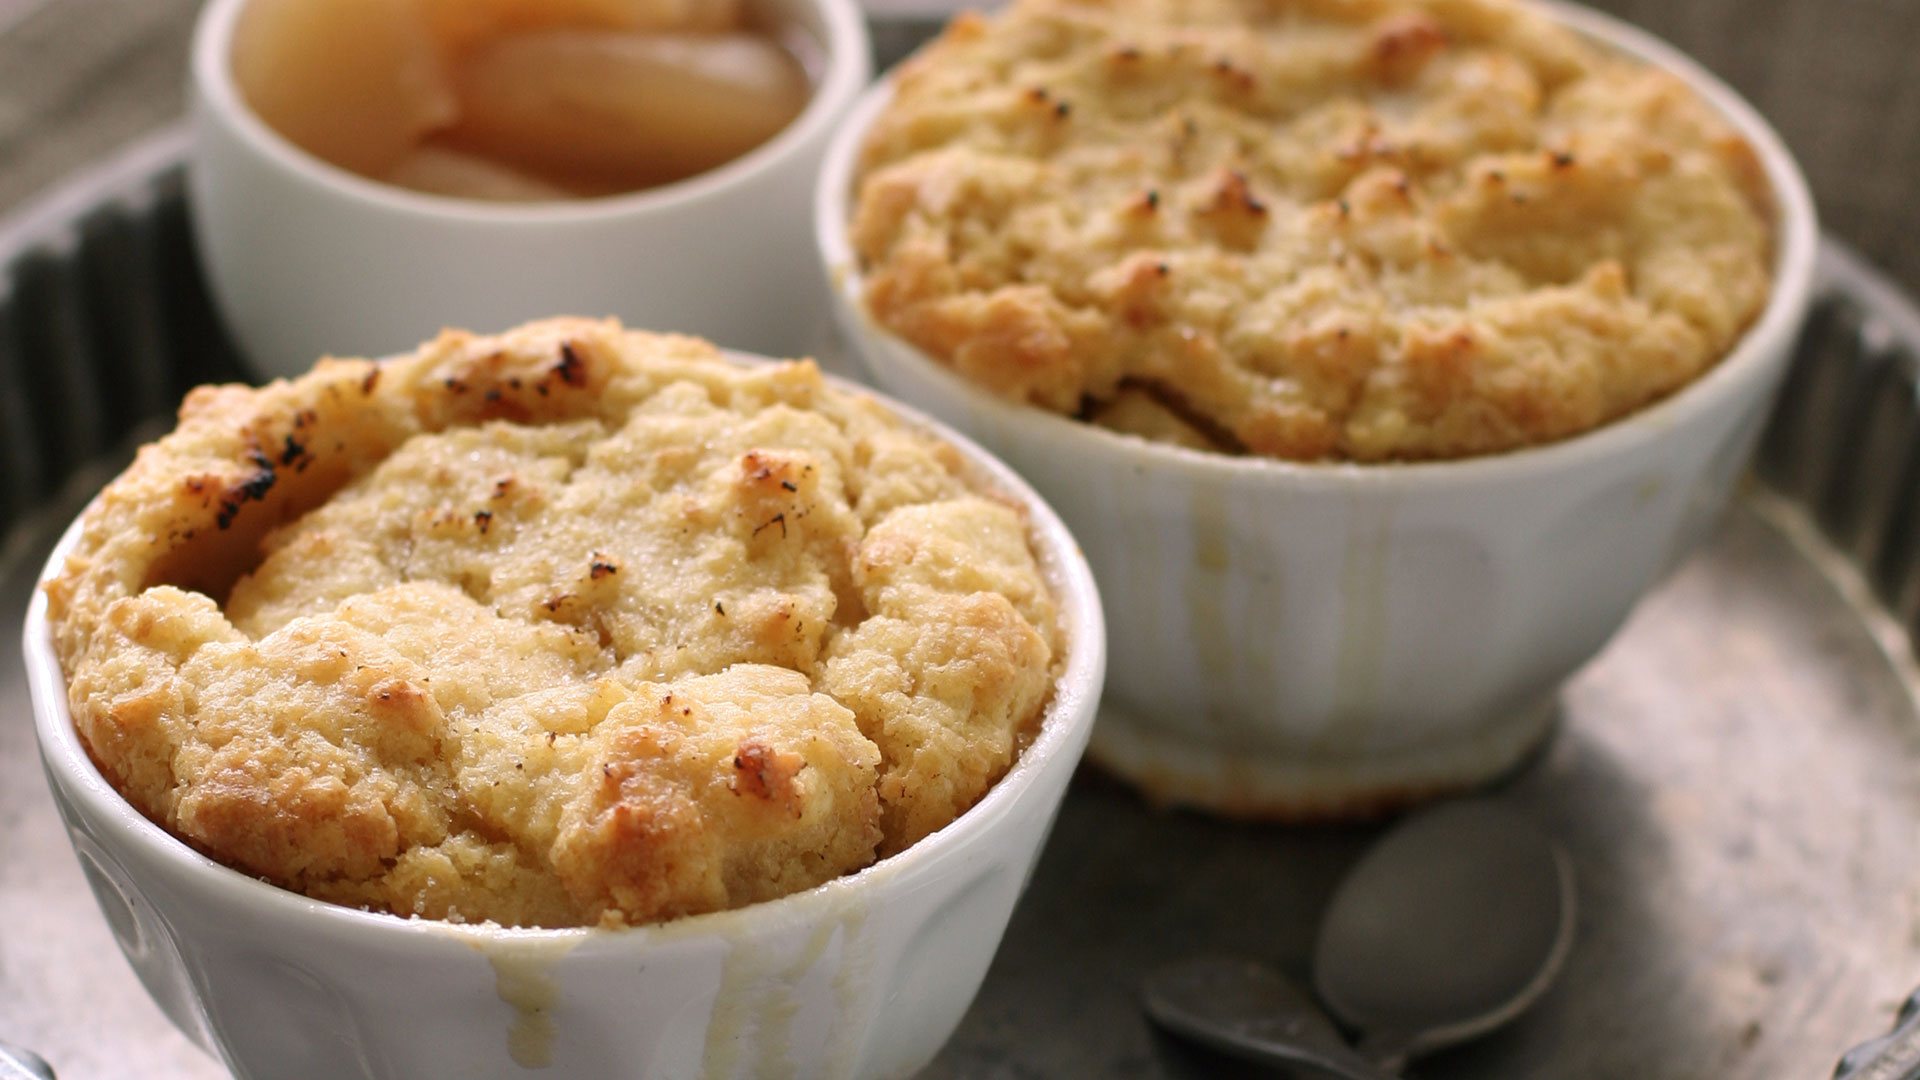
{"type": "Point", "coordinates": [865, 976]}
{"type": "Point", "coordinates": [307, 258]}
{"type": "Point", "coordinates": [1295, 640]}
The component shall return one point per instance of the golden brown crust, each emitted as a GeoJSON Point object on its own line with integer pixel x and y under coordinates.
{"type": "Point", "coordinates": [565, 626]}
{"type": "Point", "coordinates": [1331, 229]}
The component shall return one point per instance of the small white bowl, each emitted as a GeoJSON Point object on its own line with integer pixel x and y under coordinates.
{"type": "Point", "coordinates": [865, 976]}
{"type": "Point", "coordinates": [306, 257]}
{"type": "Point", "coordinates": [1312, 640]}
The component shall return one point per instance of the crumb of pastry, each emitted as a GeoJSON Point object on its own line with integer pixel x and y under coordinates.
{"type": "Point", "coordinates": [566, 626]}
{"type": "Point", "coordinates": [1363, 230]}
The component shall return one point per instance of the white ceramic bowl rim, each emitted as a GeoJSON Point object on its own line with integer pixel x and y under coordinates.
{"type": "Point", "coordinates": [845, 50]}
{"type": "Point", "coordinates": [1069, 714]}
{"type": "Point", "coordinates": [1796, 247]}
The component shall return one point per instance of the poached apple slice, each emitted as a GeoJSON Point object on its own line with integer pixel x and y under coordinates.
{"type": "Point", "coordinates": [356, 82]}
{"type": "Point", "coordinates": [627, 109]}
{"type": "Point", "coordinates": [442, 170]}
{"type": "Point", "coordinates": [462, 24]}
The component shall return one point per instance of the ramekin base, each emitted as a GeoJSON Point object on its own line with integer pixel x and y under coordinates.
{"type": "Point", "coordinates": [1299, 788]}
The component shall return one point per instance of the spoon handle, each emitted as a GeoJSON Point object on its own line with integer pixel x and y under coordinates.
{"type": "Point", "coordinates": [1895, 1056]}
{"type": "Point", "coordinates": [1389, 1051]}
{"type": "Point", "coordinates": [1250, 1011]}
{"type": "Point", "coordinates": [1257, 1044]}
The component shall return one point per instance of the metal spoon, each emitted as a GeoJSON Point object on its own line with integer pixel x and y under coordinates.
{"type": "Point", "coordinates": [19, 1064]}
{"type": "Point", "coordinates": [1450, 926]}
{"type": "Point", "coordinates": [1245, 1008]}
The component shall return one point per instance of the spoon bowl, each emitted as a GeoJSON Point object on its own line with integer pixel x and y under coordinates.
{"type": "Point", "coordinates": [1450, 926]}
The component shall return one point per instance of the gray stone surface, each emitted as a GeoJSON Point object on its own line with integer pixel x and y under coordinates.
{"type": "Point", "coordinates": [1735, 776]}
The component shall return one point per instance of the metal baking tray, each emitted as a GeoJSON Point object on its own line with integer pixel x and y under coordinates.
{"type": "Point", "coordinates": [1737, 776]}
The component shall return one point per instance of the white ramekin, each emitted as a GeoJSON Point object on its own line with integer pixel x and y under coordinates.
{"type": "Point", "coordinates": [865, 976]}
{"type": "Point", "coordinates": [1309, 640]}
{"type": "Point", "coordinates": [305, 257]}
